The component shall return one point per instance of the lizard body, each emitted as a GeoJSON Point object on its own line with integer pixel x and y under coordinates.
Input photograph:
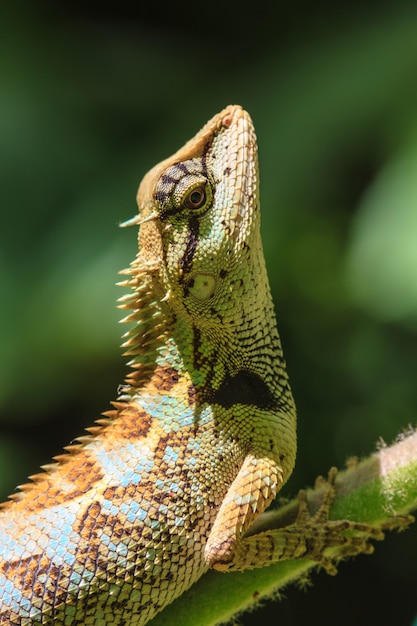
{"type": "Point", "coordinates": [202, 436]}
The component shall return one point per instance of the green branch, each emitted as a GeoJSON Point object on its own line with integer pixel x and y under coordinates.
{"type": "Point", "coordinates": [374, 491]}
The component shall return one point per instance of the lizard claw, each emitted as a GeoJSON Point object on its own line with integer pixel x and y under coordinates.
{"type": "Point", "coordinates": [342, 538]}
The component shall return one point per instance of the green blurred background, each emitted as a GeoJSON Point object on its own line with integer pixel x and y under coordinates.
{"type": "Point", "coordinates": [92, 97]}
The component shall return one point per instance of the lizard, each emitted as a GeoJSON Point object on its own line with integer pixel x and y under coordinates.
{"type": "Point", "coordinates": [202, 436]}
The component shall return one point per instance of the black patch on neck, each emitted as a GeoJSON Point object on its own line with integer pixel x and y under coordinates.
{"type": "Point", "coordinates": [244, 388]}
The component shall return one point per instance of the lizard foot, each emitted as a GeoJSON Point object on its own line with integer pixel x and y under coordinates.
{"type": "Point", "coordinates": [346, 537]}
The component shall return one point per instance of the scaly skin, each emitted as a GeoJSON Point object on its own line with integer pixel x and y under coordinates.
{"type": "Point", "coordinates": [202, 436]}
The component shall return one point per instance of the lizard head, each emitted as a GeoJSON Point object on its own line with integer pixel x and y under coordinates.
{"type": "Point", "coordinates": [199, 215]}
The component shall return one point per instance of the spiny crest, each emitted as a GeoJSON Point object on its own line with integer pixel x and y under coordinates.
{"type": "Point", "coordinates": [149, 325]}
{"type": "Point", "coordinates": [46, 484]}
{"type": "Point", "coordinates": [140, 342]}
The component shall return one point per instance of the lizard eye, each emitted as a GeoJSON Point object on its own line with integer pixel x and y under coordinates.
{"type": "Point", "coordinates": [196, 198]}
{"type": "Point", "coordinates": [184, 191]}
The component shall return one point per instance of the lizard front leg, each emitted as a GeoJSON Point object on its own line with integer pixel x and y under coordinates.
{"type": "Point", "coordinates": [309, 537]}
{"type": "Point", "coordinates": [255, 486]}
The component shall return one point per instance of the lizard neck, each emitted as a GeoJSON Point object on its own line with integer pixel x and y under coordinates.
{"type": "Point", "coordinates": [226, 356]}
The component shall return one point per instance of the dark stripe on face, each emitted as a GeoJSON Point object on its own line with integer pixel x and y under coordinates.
{"type": "Point", "coordinates": [244, 388]}
{"type": "Point", "coordinates": [186, 261]}
{"type": "Point", "coordinates": [204, 169]}
{"type": "Point", "coordinates": [164, 215]}
{"type": "Point", "coordinates": [197, 357]}
{"type": "Point", "coordinates": [166, 179]}
{"type": "Point", "coordinates": [162, 196]}
{"type": "Point", "coordinates": [182, 167]}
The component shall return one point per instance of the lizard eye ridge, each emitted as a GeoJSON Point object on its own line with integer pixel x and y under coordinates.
{"type": "Point", "coordinates": [182, 192]}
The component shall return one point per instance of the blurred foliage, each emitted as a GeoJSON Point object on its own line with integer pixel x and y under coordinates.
{"type": "Point", "coordinates": [90, 98]}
